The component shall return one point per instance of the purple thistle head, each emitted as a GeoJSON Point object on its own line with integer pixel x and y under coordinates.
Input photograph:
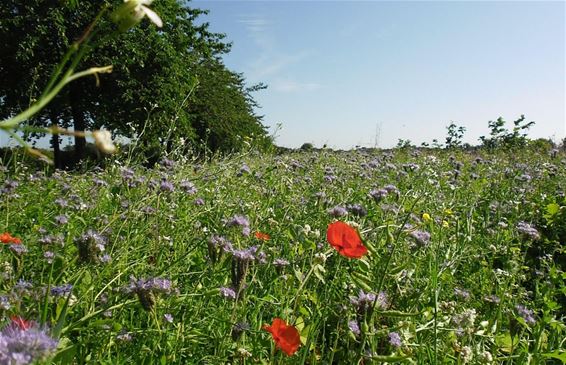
{"type": "Point", "coordinates": [354, 327]}
{"type": "Point", "coordinates": [188, 187]}
{"type": "Point", "coordinates": [395, 339]}
{"type": "Point", "coordinates": [166, 186]}
{"type": "Point", "coordinates": [168, 318]}
{"type": "Point", "coordinates": [238, 220]}
{"type": "Point", "coordinates": [357, 210]}
{"type": "Point", "coordinates": [62, 290]}
{"type": "Point", "coordinates": [337, 211]}
{"type": "Point", "coordinates": [18, 249]}
{"type": "Point", "coordinates": [421, 237]}
{"type": "Point", "coordinates": [526, 314]}
{"type": "Point", "coordinates": [227, 293]}
{"type": "Point", "coordinates": [61, 220]}
{"type": "Point", "coordinates": [24, 344]}
{"type": "Point", "coordinates": [528, 231]}
{"type": "Point", "coordinates": [378, 194]}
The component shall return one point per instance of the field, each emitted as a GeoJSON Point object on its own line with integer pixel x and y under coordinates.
{"type": "Point", "coordinates": [461, 259]}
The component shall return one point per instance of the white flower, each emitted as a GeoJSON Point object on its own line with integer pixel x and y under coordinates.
{"type": "Point", "coordinates": [103, 141]}
{"type": "Point", "coordinates": [132, 12]}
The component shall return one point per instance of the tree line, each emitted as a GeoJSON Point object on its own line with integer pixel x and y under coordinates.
{"type": "Point", "coordinates": [169, 88]}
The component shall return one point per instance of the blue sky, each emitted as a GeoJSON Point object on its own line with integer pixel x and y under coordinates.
{"type": "Point", "coordinates": [349, 73]}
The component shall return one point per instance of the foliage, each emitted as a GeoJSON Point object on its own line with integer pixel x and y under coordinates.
{"type": "Point", "coordinates": [464, 258]}
{"type": "Point", "coordinates": [501, 137]}
{"type": "Point", "coordinates": [156, 93]}
{"type": "Point", "coordinates": [455, 135]}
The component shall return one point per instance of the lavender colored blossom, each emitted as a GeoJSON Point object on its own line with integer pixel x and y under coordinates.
{"type": "Point", "coordinates": [245, 169]}
{"type": "Point", "coordinates": [61, 219]}
{"type": "Point", "coordinates": [105, 259]}
{"type": "Point", "coordinates": [354, 327]}
{"type": "Point", "coordinates": [62, 290]}
{"type": "Point", "coordinates": [166, 186]}
{"type": "Point", "coordinates": [391, 189]}
{"type": "Point", "coordinates": [395, 339]}
{"type": "Point", "coordinates": [61, 202]}
{"type": "Point", "coordinates": [228, 293]}
{"type": "Point", "coordinates": [280, 262]}
{"type": "Point", "coordinates": [5, 303]}
{"type": "Point", "coordinates": [528, 231]}
{"type": "Point", "coordinates": [188, 187]}
{"type": "Point", "coordinates": [337, 211]}
{"type": "Point", "coordinates": [238, 220]}
{"type": "Point", "coordinates": [421, 237]}
{"type": "Point", "coordinates": [462, 294]}
{"type": "Point", "coordinates": [526, 314]}
{"type": "Point", "coordinates": [199, 201]}
{"type": "Point", "coordinates": [357, 210]}
{"type": "Point", "coordinates": [168, 318]}
{"type": "Point", "coordinates": [20, 345]}
{"type": "Point", "coordinates": [18, 249]}
{"type": "Point", "coordinates": [48, 256]}
{"type": "Point", "coordinates": [247, 254]}
{"type": "Point", "coordinates": [365, 301]}
{"type": "Point", "coordinates": [378, 194]}
{"type": "Point", "coordinates": [124, 336]}
{"type": "Point", "coordinates": [156, 285]}
{"type": "Point", "coordinates": [146, 289]}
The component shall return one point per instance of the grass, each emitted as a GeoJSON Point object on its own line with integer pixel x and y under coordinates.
{"type": "Point", "coordinates": [483, 289]}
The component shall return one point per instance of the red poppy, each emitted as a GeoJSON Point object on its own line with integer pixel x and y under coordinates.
{"type": "Point", "coordinates": [286, 337]}
{"type": "Point", "coordinates": [8, 238]}
{"type": "Point", "coordinates": [346, 240]}
{"type": "Point", "coordinates": [21, 323]}
{"type": "Point", "coordinates": [262, 236]}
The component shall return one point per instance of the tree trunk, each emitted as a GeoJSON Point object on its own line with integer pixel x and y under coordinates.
{"type": "Point", "coordinates": [55, 143]}
{"type": "Point", "coordinates": [79, 122]}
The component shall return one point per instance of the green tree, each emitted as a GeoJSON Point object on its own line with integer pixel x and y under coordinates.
{"type": "Point", "coordinates": [156, 92]}
{"type": "Point", "coordinates": [455, 135]}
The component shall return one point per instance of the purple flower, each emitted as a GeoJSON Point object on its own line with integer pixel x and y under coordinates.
{"type": "Point", "coordinates": [245, 169]}
{"type": "Point", "coordinates": [238, 220]}
{"type": "Point", "coordinates": [395, 339]}
{"type": "Point", "coordinates": [337, 211]}
{"type": "Point", "coordinates": [280, 262]}
{"type": "Point", "coordinates": [357, 209]}
{"type": "Point", "coordinates": [168, 318]}
{"type": "Point", "coordinates": [247, 254]}
{"type": "Point", "coordinates": [62, 290]}
{"type": "Point", "coordinates": [492, 298]}
{"type": "Point", "coordinates": [199, 201]}
{"type": "Point", "coordinates": [378, 194]}
{"type": "Point", "coordinates": [166, 186]}
{"type": "Point", "coordinates": [61, 219]}
{"type": "Point", "coordinates": [158, 285]}
{"type": "Point", "coordinates": [145, 289]}
{"type": "Point", "coordinates": [124, 336]}
{"type": "Point", "coordinates": [24, 343]}
{"type": "Point", "coordinates": [5, 303]}
{"type": "Point", "coordinates": [421, 237]}
{"type": "Point", "coordinates": [365, 301]}
{"type": "Point", "coordinates": [354, 327]}
{"type": "Point", "coordinates": [526, 314]}
{"type": "Point", "coordinates": [188, 187]}
{"type": "Point", "coordinates": [228, 293]}
{"type": "Point", "coordinates": [48, 256]}
{"type": "Point", "coordinates": [528, 231]}
{"type": "Point", "coordinates": [18, 248]}
{"type": "Point", "coordinates": [463, 294]}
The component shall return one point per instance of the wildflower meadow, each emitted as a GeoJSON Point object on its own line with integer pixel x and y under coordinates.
{"type": "Point", "coordinates": [322, 257]}
{"type": "Point", "coordinates": [195, 240]}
